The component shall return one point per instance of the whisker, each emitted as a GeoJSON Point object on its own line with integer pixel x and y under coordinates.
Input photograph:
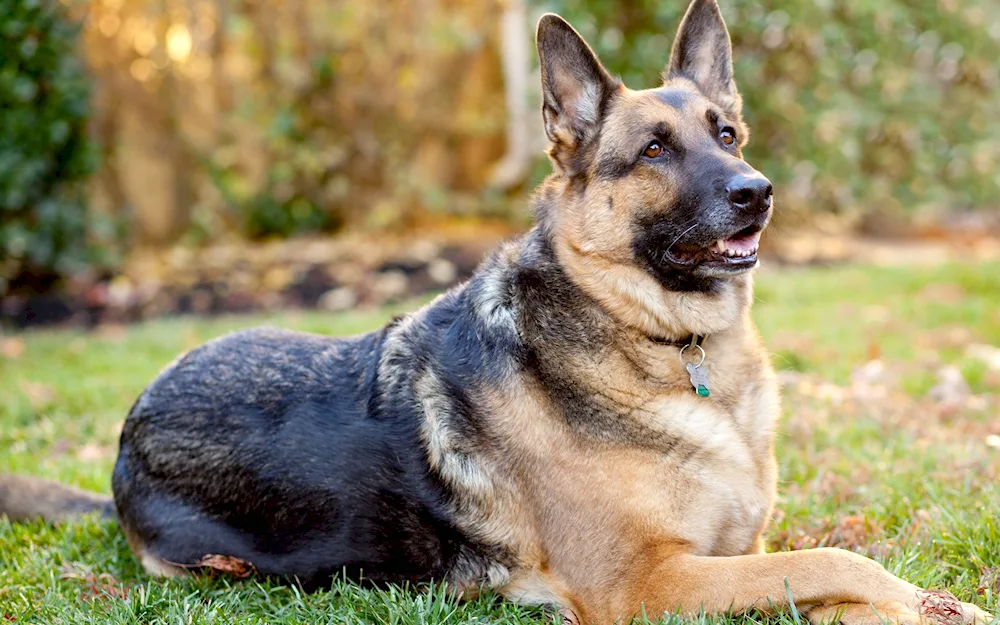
{"type": "Point", "coordinates": [681, 235]}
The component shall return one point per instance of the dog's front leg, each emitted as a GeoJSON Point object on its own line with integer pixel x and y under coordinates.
{"type": "Point", "coordinates": [825, 584]}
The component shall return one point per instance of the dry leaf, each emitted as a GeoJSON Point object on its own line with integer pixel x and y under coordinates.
{"type": "Point", "coordinates": [941, 607]}
{"type": "Point", "coordinates": [102, 586]}
{"type": "Point", "coordinates": [227, 564]}
{"type": "Point", "coordinates": [989, 579]}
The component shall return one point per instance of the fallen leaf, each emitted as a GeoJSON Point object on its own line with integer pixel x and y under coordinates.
{"type": "Point", "coordinates": [989, 579]}
{"type": "Point", "coordinates": [95, 586]}
{"type": "Point", "coordinates": [853, 533]}
{"type": "Point", "coordinates": [941, 607]}
{"type": "Point", "coordinates": [227, 565]}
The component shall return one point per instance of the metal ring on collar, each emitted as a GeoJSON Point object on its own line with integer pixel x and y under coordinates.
{"type": "Point", "coordinates": [700, 349]}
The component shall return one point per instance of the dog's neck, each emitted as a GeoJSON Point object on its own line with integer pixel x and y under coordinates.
{"type": "Point", "coordinates": [597, 256]}
{"type": "Point", "coordinates": [628, 298]}
{"type": "Point", "coordinates": [637, 300]}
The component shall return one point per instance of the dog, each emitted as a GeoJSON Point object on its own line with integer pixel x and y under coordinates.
{"type": "Point", "coordinates": [588, 422]}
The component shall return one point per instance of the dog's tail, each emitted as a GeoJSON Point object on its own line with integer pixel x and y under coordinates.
{"type": "Point", "coordinates": [23, 498]}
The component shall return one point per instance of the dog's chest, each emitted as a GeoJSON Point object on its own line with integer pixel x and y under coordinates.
{"type": "Point", "coordinates": [719, 485]}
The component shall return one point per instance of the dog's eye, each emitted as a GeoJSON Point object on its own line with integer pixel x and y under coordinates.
{"type": "Point", "coordinates": [653, 150]}
{"type": "Point", "coordinates": [728, 135]}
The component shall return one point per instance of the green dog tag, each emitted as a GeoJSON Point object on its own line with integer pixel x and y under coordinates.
{"type": "Point", "coordinates": [699, 380]}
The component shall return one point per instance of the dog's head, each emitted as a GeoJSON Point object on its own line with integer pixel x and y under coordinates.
{"type": "Point", "coordinates": [655, 178]}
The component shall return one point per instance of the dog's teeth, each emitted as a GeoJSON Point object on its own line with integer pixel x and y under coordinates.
{"type": "Point", "coordinates": [721, 245]}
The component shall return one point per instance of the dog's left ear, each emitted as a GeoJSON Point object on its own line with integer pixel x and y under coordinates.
{"type": "Point", "coordinates": [702, 52]}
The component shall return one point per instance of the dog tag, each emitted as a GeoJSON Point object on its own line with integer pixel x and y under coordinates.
{"type": "Point", "coordinates": [699, 380]}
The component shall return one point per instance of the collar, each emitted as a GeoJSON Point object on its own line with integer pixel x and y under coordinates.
{"type": "Point", "coordinates": [691, 340]}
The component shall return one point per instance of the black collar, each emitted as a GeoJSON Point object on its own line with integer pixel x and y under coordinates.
{"type": "Point", "coordinates": [693, 339]}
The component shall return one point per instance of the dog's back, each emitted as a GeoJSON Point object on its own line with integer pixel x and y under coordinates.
{"type": "Point", "coordinates": [278, 448]}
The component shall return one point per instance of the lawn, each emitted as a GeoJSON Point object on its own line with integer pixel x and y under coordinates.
{"type": "Point", "coordinates": [890, 446]}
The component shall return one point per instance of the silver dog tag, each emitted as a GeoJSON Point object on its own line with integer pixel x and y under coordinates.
{"type": "Point", "coordinates": [699, 379]}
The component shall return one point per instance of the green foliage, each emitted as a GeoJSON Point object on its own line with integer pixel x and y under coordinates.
{"type": "Point", "coordinates": [45, 154]}
{"type": "Point", "coordinates": [856, 107]}
{"type": "Point", "coordinates": [304, 185]}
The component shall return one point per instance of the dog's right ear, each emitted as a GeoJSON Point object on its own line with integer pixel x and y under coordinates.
{"type": "Point", "coordinates": [703, 53]}
{"type": "Point", "coordinates": [575, 86]}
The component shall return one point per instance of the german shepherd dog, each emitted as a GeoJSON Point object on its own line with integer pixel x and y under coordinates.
{"type": "Point", "coordinates": [588, 422]}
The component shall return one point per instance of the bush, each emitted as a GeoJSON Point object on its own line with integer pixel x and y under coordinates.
{"type": "Point", "coordinates": [45, 154]}
{"type": "Point", "coordinates": [857, 107]}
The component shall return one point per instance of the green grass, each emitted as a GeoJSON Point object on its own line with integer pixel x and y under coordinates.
{"type": "Point", "coordinates": [895, 475]}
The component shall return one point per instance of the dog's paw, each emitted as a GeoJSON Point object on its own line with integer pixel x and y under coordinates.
{"type": "Point", "coordinates": [879, 613]}
{"type": "Point", "coordinates": [931, 608]}
{"type": "Point", "coordinates": [974, 615]}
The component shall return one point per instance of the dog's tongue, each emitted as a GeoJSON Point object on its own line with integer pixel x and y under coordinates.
{"type": "Point", "coordinates": [747, 244]}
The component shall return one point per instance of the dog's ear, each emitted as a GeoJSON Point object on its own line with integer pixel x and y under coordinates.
{"type": "Point", "coordinates": [575, 86]}
{"type": "Point", "coordinates": [703, 53]}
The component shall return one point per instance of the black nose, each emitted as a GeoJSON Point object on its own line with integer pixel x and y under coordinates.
{"type": "Point", "coordinates": [751, 194]}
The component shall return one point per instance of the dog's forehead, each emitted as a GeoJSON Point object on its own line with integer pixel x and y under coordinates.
{"type": "Point", "coordinates": [674, 97]}
{"type": "Point", "coordinates": [639, 113]}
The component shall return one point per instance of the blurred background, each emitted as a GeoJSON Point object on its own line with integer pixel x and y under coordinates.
{"type": "Point", "coordinates": [162, 156]}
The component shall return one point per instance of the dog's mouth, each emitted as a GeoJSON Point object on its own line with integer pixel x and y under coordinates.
{"type": "Point", "coordinates": [734, 254]}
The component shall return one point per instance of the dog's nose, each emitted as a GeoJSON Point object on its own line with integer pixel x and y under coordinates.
{"type": "Point", "coordinates": [750, 194]}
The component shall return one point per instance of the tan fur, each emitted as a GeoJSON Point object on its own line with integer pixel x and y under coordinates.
{"type": "Point", "coordinates": [157, 567]}
{"type": "Point", "coordinates": [665, 513]}
{"type": "Point", "coordinates": [606, 531]}
{"type": "Point", "coordinates": [594, 236]}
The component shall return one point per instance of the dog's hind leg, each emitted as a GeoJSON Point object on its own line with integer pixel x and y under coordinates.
{"type": "Point", "coordinates": [155, 566]}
